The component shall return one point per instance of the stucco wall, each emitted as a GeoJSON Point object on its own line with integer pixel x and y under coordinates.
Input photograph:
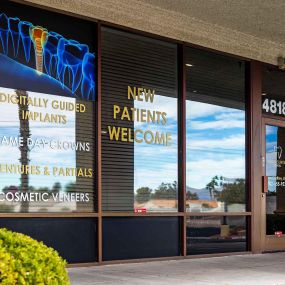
{"type": "Point", "coordinates": [149, 18]}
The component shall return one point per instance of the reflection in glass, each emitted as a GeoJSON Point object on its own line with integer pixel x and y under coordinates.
{"type": "Point", "coordinates": [42, 153]}
{"type": "Point", "coordinates": [154, 191]}
{"type": "Point", "coordinates": [215, 133]}
{"type": "Point", "coordinates": [139, 167]}
{"type": "Point", "coordinates": [215, 158]}
{"type": "Point", "coordinates": [216, 234]}
{"type": "Point", "coordinates": [275, 170]}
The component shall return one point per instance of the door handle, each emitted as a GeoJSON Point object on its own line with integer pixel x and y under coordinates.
{"type": "Point", "coordinates": [265, 184]}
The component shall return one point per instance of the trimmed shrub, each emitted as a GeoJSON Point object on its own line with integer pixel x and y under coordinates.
{"type": "Point", "coordinates": [25, 261]}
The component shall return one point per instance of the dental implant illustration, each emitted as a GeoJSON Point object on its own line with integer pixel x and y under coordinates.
{"type": "Point", "coordinates": [39, 37]}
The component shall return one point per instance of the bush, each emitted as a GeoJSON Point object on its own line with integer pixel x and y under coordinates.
{"type": "Point", "coordinates": [25, 261]}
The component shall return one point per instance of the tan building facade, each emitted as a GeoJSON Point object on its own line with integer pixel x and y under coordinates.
{"type": "Point", "coordinates": [143, 129]}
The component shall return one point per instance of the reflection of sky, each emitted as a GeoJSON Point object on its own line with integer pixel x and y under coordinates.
{"type": "Point", "coordinates": [215, 143]}
{"type": "Point", "coordinates": [271, 156]}
{"type": "Point", "coordinates": [153, 163]}
{"type": "Point", "coordinates": [9, 126]}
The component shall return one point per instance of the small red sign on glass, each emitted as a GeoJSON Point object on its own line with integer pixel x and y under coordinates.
{"type": "Point", "coordinates": [140, 211]}
{"type": "Point", "coordinates": [278, 233]}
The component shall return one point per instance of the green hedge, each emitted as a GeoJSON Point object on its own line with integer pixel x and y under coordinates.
{"type": "Point", "coordinates": [25, 261]}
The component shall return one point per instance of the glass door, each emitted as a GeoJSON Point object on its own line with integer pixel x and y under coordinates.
{"type": "Point", "coordinates": [273, 197]}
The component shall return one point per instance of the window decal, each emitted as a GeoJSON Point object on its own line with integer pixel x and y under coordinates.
{"type": "Point", "coordinates": [31, 51]}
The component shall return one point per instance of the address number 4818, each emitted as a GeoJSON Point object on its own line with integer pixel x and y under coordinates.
{"type": "Point", "coordinates": [274, 107]}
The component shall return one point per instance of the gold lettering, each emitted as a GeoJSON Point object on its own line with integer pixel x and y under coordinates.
{"type": "Point", "coordinates": [130, 135]}
{"type": "Point", "coordinates": [150, 116]}
{"type": "Point", "coordinates": [116, 110]}
{"type": "Point", "coordinates": [125, 114]}
{"type": "Point", "coordinates": [168, 139]}
{"type": "Point", "coordinates": [139, 95]}
{"type": "Point", "coordinates": [149, 95]}
{"type": "Point", "coordinates": [163, 115]}
{"type": "Point", "coordinates": [80, 108]}
{"type": "Point", "coordinates": [80, 172]}
{"type": "Point", "coordinates": [132, 93]}
{"type": "Point", "coordinates": [114, 133]}
{"type": "Point", "coordinates": [158, 113]}
{"type": "Point", "coordinates": [143, 115]}
{"type": "Point", "coordinates": [135, 136]}
{"type": "Point", "coordinates": [159, 139]}
{"type": "Point", "coordinates": [3, 97]}
{"type": "Point", "coordinates": [90, 172]}
{"type": "Point", "coordinates": [146, 138]}
{"type": "Point", "coordinates": [64, 120]}
{"type": "Point", "coordinates": [133, 113]}
{"type": "Point", "coordinates": [124, 134]}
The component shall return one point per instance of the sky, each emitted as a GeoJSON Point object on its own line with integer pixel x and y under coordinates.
{"type": "Point", "coordinates": [271, 156]}
{"type": "Point", "coordinates": [155, 164]}
{"type": "Point", "coordinates": [9, 127]}
{"type": "Point", "coordinates": [215, 145]}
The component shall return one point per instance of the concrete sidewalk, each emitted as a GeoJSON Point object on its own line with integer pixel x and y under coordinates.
{"type": "Point", "coordinates": [261, 269]}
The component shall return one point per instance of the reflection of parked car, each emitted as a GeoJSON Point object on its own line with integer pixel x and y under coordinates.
{"type": "Point", "coordinates": [10, 189]}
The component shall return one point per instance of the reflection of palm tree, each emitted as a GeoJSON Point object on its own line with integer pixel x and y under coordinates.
{"type": "Point", "coordinates": [211, 186]}
{"type": "Point", "coordinates": [24, 134]}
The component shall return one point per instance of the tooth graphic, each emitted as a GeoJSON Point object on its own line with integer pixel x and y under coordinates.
{"type": "Point", "coordinates": [4, 31]}
{"type": "Point", "coordinates": [39, 37]}
{"type": "Point", "coordinates": [50, 53]}
{"type": "Point", "coordinates": [88, 80]}
{"type": "Point", "coordinates": [14, 33]}
{"type": "Point", "coordinates": [70, 56]}
{"type": "Point", "coordinates": [24, 29]}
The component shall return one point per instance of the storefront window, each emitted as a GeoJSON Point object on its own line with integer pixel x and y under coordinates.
{"type": "Point", "coordinates": [47, 97]}
{"type": "Point", "coordinates": [215, 111]}
{"type": "Point", "coordinates": [139, 123]}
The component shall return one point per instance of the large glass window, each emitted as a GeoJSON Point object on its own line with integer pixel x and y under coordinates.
{"type": "Point", "coordinates": [47, 95]}
{"type": "Point", "coordinates": [139, 123]}
{"type": "Point", "coordinates": [215, 111]}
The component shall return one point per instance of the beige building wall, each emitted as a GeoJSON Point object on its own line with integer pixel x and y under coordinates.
{"type": "Point", "coordinates": [252, 29]}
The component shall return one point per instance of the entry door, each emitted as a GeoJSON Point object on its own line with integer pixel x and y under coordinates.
{"type": "Point", "coordinates": [273, 196]}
